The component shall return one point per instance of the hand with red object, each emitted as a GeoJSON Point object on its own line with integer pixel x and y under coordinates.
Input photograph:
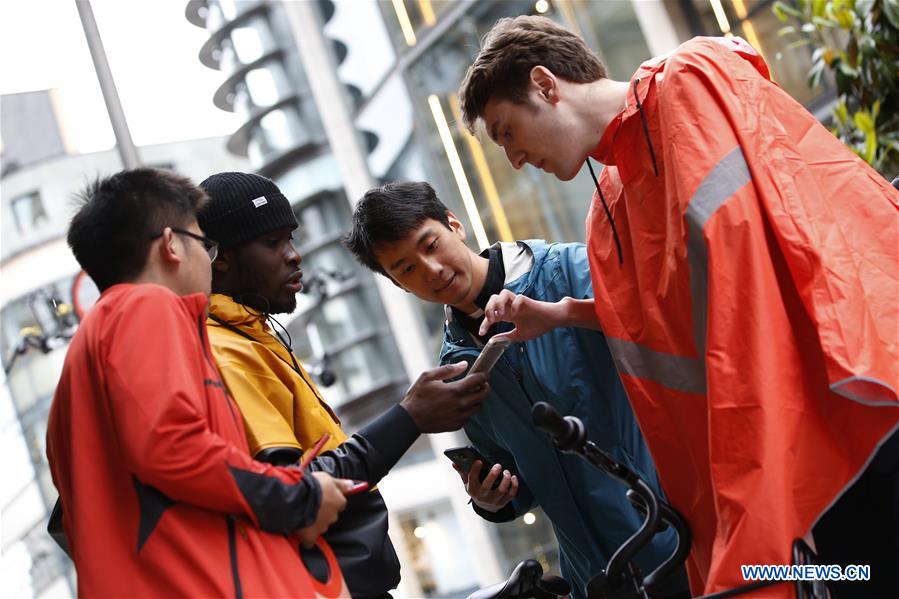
{"type": "Point", "coordinates": [333, 501]}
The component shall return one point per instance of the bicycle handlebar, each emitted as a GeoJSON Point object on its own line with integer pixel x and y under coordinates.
{"type": "Point", "coordinates": [568, 435]}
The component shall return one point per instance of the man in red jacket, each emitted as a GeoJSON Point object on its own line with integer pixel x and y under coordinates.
{"type": "Point", "coordinates": [744, 264]}
{"type": "Point", "coordinates": [159, 495]}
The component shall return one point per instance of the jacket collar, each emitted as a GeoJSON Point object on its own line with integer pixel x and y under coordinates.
{"type": "Point", "coordinates": [234, 313]}
{"type": "Point", "coordinates": [604, 150]}
{"type": "Point", "coordinates": [455, 334]}
{"type": "Point", "coordinates": [195, 302]}
{"type": "Point", "coordinates": [539, 250]}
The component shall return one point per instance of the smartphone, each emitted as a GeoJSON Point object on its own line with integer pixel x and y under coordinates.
{"type": "Point", "coordinates": [359, 486]}
{"type": "Point", "coordinates": [490, 355]}
{"type": "Point", "coordinates": [465, 457]}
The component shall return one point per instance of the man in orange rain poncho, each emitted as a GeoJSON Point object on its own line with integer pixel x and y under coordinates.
{"type": "Point", "coordinates": [744, 265]}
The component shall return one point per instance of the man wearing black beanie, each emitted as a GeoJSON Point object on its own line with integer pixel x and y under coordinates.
{"type": "Point", "coordinates": [256, 274]}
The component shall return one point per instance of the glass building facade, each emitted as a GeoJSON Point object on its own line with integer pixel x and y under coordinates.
{"type": "Point", "coordinates": [340, 324]}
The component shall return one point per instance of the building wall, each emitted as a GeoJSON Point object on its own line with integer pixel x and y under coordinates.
{"type": "Point", "coordinates": [29, 129]}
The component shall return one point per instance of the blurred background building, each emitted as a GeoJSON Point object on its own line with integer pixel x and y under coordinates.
{"type": "Point", "coordinates": [39, 294]}
{"type": "Point", "coordinates": [397, 65]}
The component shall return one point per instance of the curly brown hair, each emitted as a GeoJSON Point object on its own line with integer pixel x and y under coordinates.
{"type": "Point", "coordinates": [511, 49]}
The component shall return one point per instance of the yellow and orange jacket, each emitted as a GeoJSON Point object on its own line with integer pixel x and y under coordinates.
{"type": "Point", "coordinates": [753, 311]}
{"type": "Point", "coordinates": [281, 407]}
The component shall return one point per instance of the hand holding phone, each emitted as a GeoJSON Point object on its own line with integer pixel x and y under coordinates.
{"type": "Point", "coordinates": [498, 495]}
{"type": "Point", "coordinates": [465, 457]}
{"type": "Point", "coordinates": [490, 355]}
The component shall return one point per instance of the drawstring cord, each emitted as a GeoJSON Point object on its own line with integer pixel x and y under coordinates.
{"type": "Point", "coordinates": [288, 346]}
{"type": "Point", "coordinates": [608, 213]}
{"type": "Point", "coordinates": [288, 343]}
{"type": "Point", "coordinates": [652, 154]}
{"type": "Point", "coordinates": [655, 170]}
{"type": "Point", "coordinates": [238, 299]}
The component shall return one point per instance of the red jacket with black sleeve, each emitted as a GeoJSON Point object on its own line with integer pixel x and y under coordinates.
{"type": "Point", "coordinates": [159, 494]}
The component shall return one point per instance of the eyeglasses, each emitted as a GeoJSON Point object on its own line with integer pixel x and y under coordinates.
{"type": "Point", "coordinates": [211, 246]}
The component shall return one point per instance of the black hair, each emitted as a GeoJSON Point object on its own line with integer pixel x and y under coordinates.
{"type": "Point", "coordinates": [110, 232]}
{"type": "Point", "coordinates": [388, 213]}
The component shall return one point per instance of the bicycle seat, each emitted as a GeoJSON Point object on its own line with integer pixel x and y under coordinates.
{"type": "Point", "coordinates": [521, 584]}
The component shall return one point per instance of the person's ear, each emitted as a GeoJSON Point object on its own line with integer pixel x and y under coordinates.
{"type": "Point", "coordinates": [456, 225]}
{"type": "Point", "coordinates": [546, 84]}
{"type": "Point", "coordinates": [222, 262]}
{"type": "Point", "coordinates": [169, 250]}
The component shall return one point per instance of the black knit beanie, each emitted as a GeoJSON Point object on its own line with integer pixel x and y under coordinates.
{"type": "Point", "coordinates": [241, 207]}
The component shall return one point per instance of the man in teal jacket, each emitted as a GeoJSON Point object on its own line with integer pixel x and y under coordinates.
{"type": "Point", "coordinates": [404, 232]}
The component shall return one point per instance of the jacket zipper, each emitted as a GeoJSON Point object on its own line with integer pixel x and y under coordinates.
{"type": "Point", "coordinates": [526, 363]}
{"type": "Point", "coordinates": [201, 322]}
{"type": "Point", "coordinates": [232, 550]}
{"type": "Point", "coordinates": [520, 375]}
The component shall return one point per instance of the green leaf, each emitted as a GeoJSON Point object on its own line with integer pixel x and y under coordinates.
{"type": "Point", "coordinates": [867, 45]}
{"type": "Point", "coordinates": [819, 8]}
{"type": "Point", "coordinates": [875, 109]}
{"type": "Point", "coordinates": [814, 74]}
{"type": "Point", "coordinates": [777, 9]}
{"type": "Point", "coordinates": [870, 147]}
{"type": "Point", "coordinates": [891, 10]}
{"type": "Point", "coordinates": [782, 9]}
{"type": "Point", "coordinates": [840, 112]}
{"type": "Point", "coordinates": [863, 121]}
{"type": "Point", "coordinates": [845, 18]}
{"type": "Point", "coordinates": [846, 70]}
{"type": "Point", "coordinates": [799, 43]}
{"type": "Point", "coordinates": [863, 7]}
{"type": "Point", "coordinates": [789, 29]}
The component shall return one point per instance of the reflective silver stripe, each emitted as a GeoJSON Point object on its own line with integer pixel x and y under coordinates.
{"type": "Point", "coordinates": [726, 179]}
{"type": "Point", "coordinates": [866, 390]}
{"type": "Point", "coordinates": [674, 372]}
{"type": "Point", "coordinates": [681, 373]}
{"type": "Point", "coordinates": [729, 175]}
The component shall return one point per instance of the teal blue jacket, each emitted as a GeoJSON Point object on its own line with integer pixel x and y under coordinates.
{"type": "Point", "coordinates": [571, 369]}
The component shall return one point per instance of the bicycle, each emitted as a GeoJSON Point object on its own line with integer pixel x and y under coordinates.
{"type": "Point", "coordinates": [621, 579]}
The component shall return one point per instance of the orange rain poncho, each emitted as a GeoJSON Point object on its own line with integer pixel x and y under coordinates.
{"type": "Point", "coordinates": [754, 317]}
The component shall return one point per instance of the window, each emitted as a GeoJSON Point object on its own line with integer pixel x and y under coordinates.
{"type": "Point", "coordinates": [28, 212]}
{"type": "Point", "coordinates": [528, 537]}
{"type": "Point", "coordinates": [407, 18]}
{"type": "Point", "coordinates": [322, 217]}
{"type": "Point", "coordinates": [432, 536]}
{"type": "Point", "coordinates": [756, 23]}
